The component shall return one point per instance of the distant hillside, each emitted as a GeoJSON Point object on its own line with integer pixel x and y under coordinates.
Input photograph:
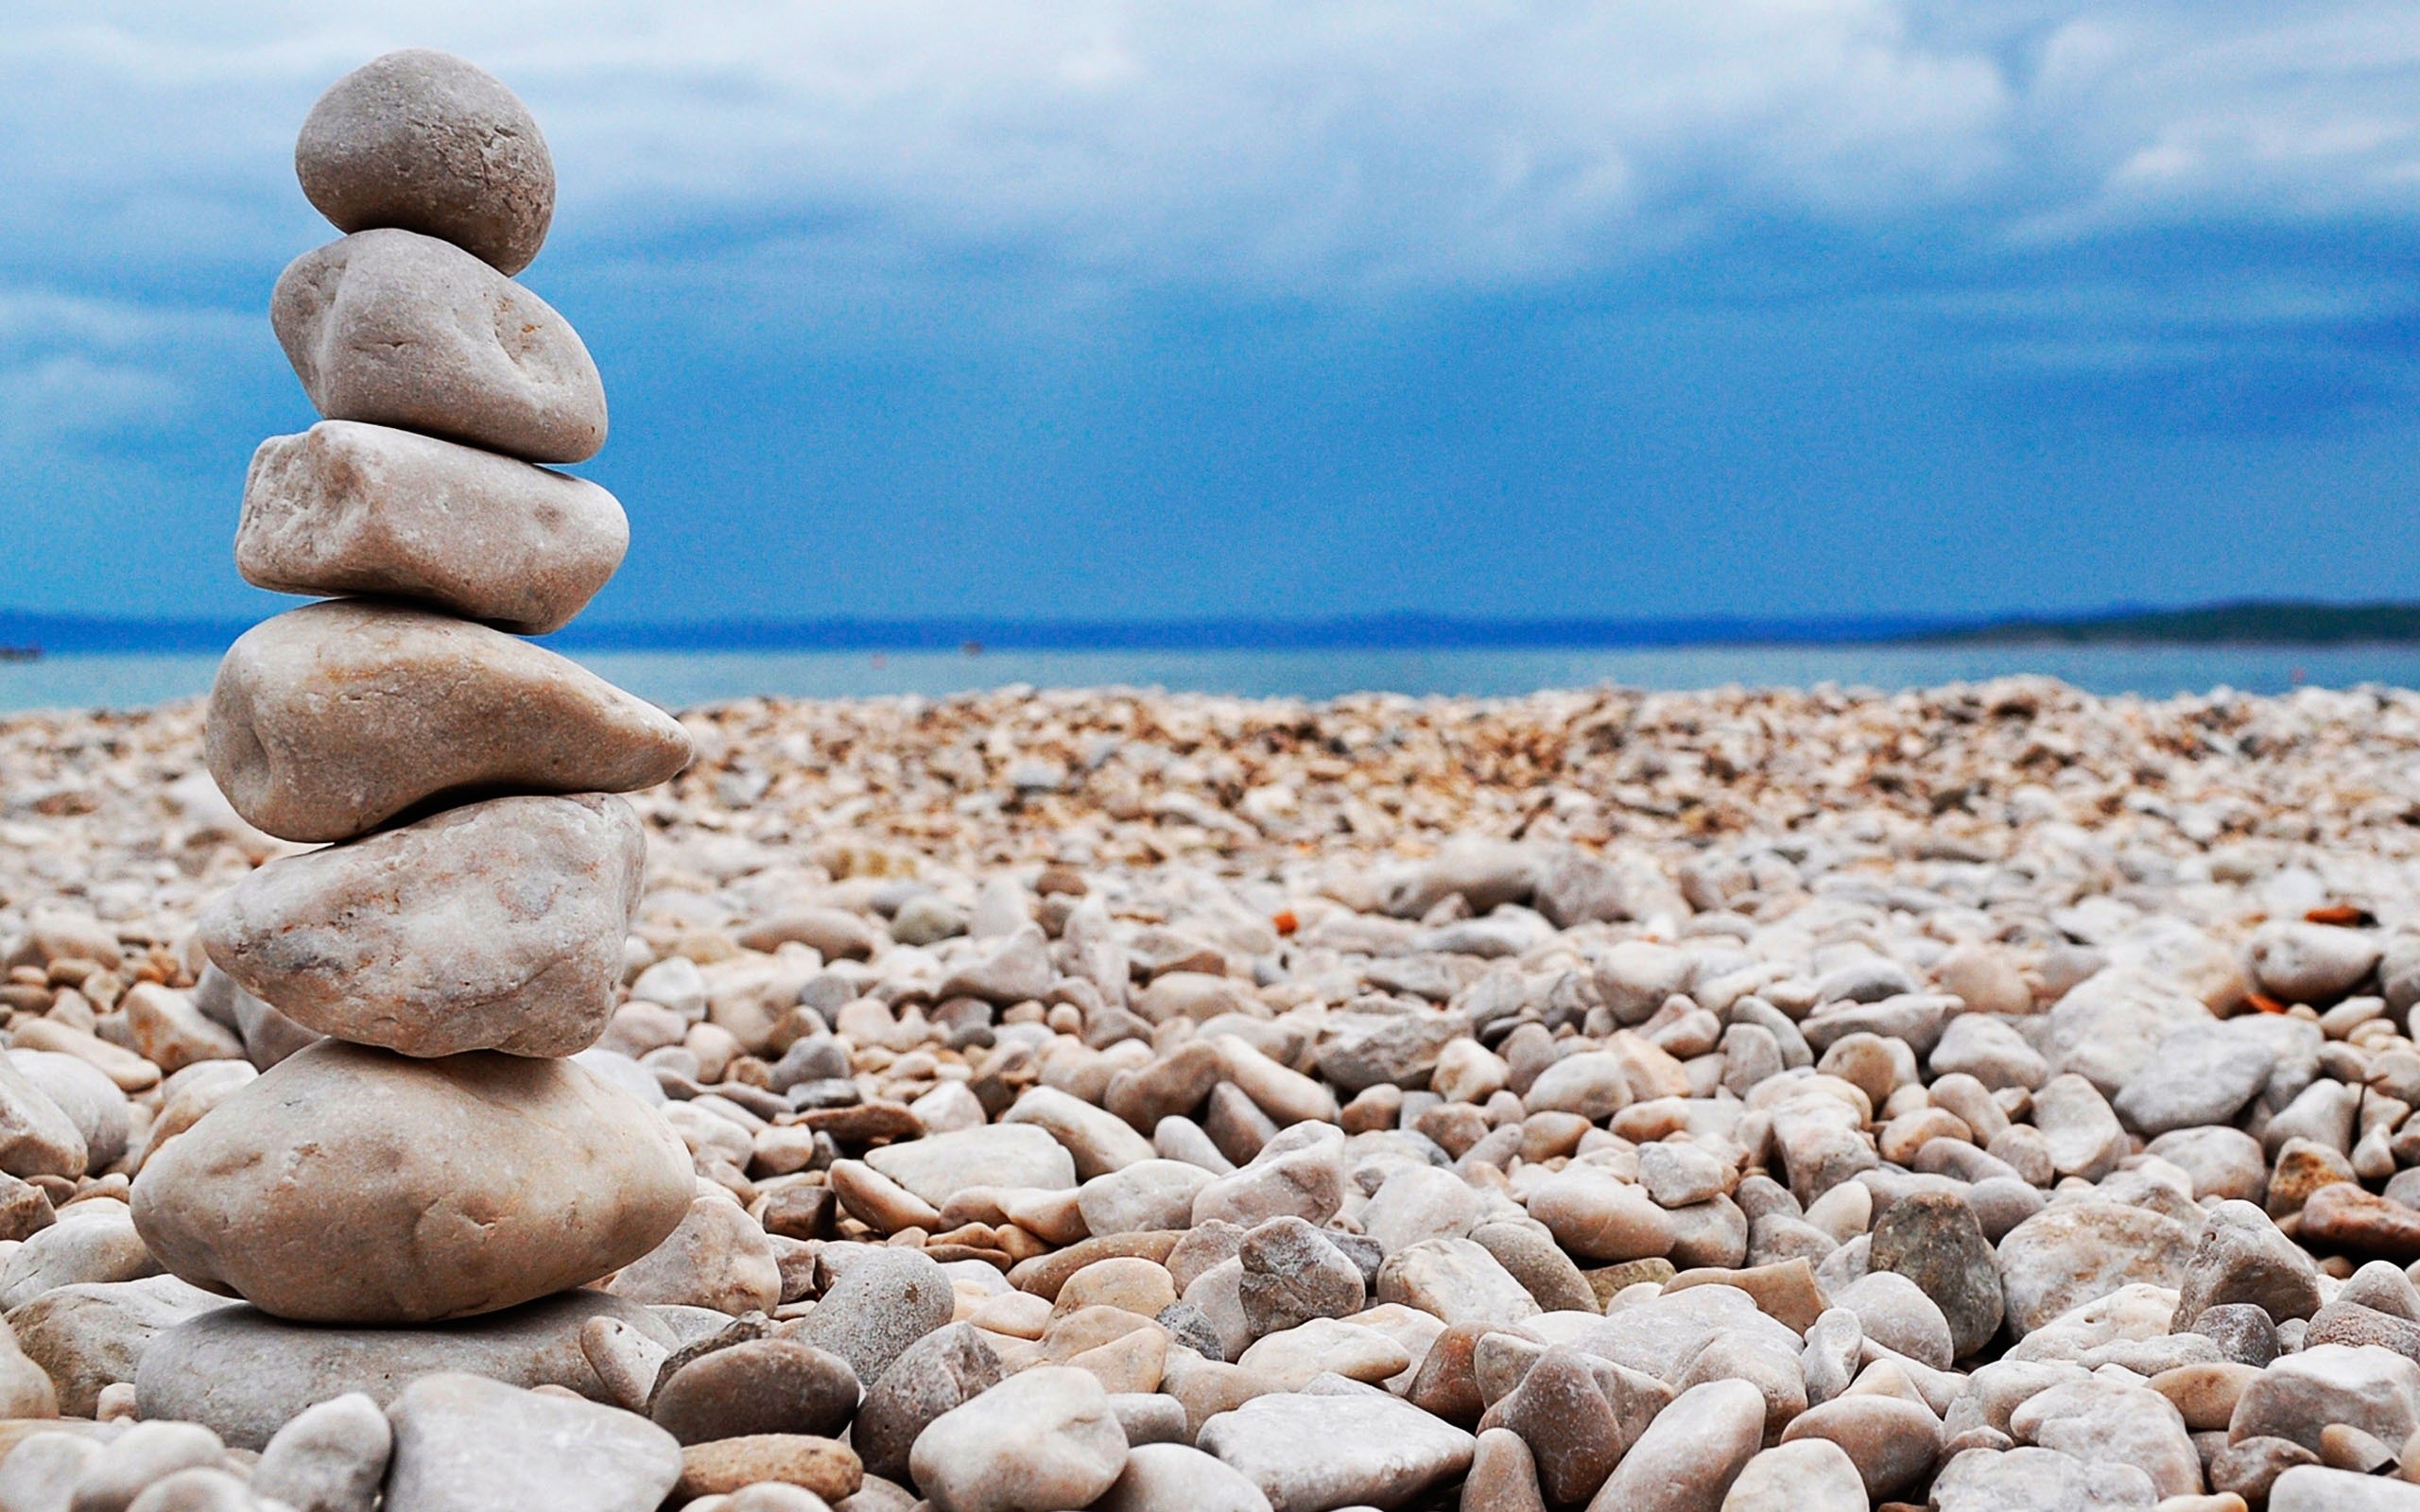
{"type": "Point", "coordinates": [2244, 624]}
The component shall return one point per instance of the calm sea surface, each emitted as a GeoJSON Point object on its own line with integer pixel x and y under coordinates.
{"type": "Point", "coordinates": [679, 678]}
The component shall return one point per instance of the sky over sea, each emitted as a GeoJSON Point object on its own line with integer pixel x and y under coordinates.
{"type": "Point", "coordinates": [1111, 309]}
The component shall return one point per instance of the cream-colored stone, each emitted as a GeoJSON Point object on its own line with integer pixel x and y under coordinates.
{"type": "Point", "coordinates": [331, 719]}
{"type": "Point", "coordinates": [352, 1185]}
{"type": "Point", "coordinates": [495, 926]}
{"type": "Point", "coordinates": [346, 507]}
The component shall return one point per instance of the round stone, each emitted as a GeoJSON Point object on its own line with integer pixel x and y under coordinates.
{"type": "Point", "coordinates": [352, 1185]}
{"type": "Point", "coordinates": [426, 141]}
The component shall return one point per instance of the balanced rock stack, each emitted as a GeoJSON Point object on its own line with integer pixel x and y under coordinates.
{"type": "Point", "coordinates": [433, 1156]}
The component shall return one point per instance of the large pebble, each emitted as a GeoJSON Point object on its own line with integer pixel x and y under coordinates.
{"type": "Point", "coordinates": [1037, 1442]}
{"type": "Point", "coordinates": [939, 1166]}
{"type": "Point", "coordinates": [331, 719]}
{"type": "Point", "coordinates": [332, 1458]}
{"type": "Point", "coordinates": [87, 1336]}
{"type": "Point", "coordinates": [1178, 1478]}
{"type": "Point", "coordinates": [394, 328]}
{"type": "Point", "coordinates": [245, 1375]}
{"type": "Point", "coordinates": [352, 1185]}
{"type": "Point", "coordinates": [346, 507]}
{"type": "Point", "coordinates": [2062, 1258]}
{"type": "Point", "coordinates": [882, 1303]}
{"type": "Point", "coordinates": [759, 1386]}
{"type": "Point", "coordinates": [1811, 1476]}
{"type": "Point", "coordinates": [464, 1443]}
{"type": "Point", "coordinates": [1310, 1452]}
{"type": "Point", "coordinates": [943, 1371]}
{"type": "Point", "coordinates": [1690, 1453]}
{"type": "Point", "coordinates": [495, 926]}
{"type": "Point", "coordinates": [427, 142]}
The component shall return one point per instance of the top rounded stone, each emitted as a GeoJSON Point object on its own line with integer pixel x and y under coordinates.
{"type": "Point", "coordinates": [424, 141]}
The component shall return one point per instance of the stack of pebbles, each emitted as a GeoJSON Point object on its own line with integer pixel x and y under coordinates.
{"type": "Point", "coordinates": [436, 1156]}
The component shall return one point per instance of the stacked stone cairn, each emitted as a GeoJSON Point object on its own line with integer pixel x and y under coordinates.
{"type": "Point", "coordinates": [430, 1153]}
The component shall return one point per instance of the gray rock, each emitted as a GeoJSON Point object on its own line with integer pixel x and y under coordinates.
{"type": "Point", "coordinates": [40, 1474]}
{"type": "Point", "coordinates": [85, 1094]}
{"type": "Point", "coordinates": [2295, 962]}
{"type": "Point", "coordinates": [350, 508]}
{"type": "Point", "coordinates": [424, 140]}
{"type": "Point", "coordinates": [1308, 1453]}
{"type": "Point", "coordinates": [1811, 1476]}
{"type": "Point", "coordinates": [773, 1386]}
{"type": "Point", "coordinates": [37, 1138]}
{"type": "Point", "coordinates": [2085, 1135]}
{"type": "Point", "coordinates": [1178, 1478]}
{"type": "Point", "coordinates": [2315, 1489]}
{"type": "Point", "coordinates": [718, 1257]}
{"type": "Point", "coordinates": [143, 1453]}
{"type": "Point", "coordinates": [1690, 1453]}
{"type": "Point", "coordinates": [1146, 1197]}
{"type": "Point", "coordinates": [1292, 1275]}
{"type": "Point", "coordinates": [2243, 1333]}
{"type": "Point", "coordinates": [493, 926]}
{"type": "Point", "coordinates": [1985, 1048]}
{"type": "Point", "coordinates": [884, 1302]}
{"type": "Point", "coordinates": [2242, 1256]}
{"type": "Point", "coordinates": [395, 328]}
{"type": "Point", "coordinates": [2038, 1480]}
{"type": "Point", "coordinates": [92, 1242]}
{"type": "Point", "coordinates": [2370, 1389]}
{"type": "Point", "coordinates": [464, 1443]}
{"type": "Point", "coordinates": [245, 1375]}
{"type": "Point", "coordinates": [2062, 1258]}
{"type": "Point", "coordinates": [1040, 1439]}
{"type": "Point", "coordinates": [943, 1371]}
{"type": "Point", "coordinates": [1895, 1313]}
{"type": "Point", "coordinates": [1454, 1279]}
{"type": "Point", "coordinates": [331, 1458]}
{"type": "Point", "coordinates": [87, 1336]}
{"type": "Point", "coordinates": [2200, 1076]}
{"type": "Point", "coordinates": [1935, 1241]}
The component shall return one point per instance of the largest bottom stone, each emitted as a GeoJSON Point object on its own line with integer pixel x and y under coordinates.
{"type": "Point", "coordinates": [243, 1375]}
{"type": "Point", "coordinates": [352, 1185]}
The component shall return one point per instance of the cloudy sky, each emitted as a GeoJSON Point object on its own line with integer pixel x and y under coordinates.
{"type": "Point", "coordinates": [1103, 308]}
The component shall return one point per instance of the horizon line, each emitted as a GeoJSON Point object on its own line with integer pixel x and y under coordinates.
{"type": "Point", "coordinates": [1393, 629]}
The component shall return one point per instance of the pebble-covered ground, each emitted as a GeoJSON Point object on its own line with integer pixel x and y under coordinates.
{"type": "Point", "coordinates": [1989, 1098]}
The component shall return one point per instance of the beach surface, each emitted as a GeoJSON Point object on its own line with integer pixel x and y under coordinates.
{"type": "Point", "coordinates": [1993, 1095]}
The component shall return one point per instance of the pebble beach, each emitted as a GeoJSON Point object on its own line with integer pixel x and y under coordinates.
{"type": "Point", "coordinates": [436, 1079]}
{"type": "Point", "coordinates": [1990, 1098]}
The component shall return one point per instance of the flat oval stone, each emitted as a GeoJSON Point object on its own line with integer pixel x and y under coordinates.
{"type": "Point", "coordinates": [346, 507]}
{"type": "Point", "coordinates": [400, 329]}
{"type": "Point", "coordinates": [494, 926]}
{"type": "Point", "coordinates": [329, 720]}
{"type": "Point", "coordinates": [351, 1185]}
{"type": "Point", "coordinates": [245, 1375]}
{"type": "Point", "coordinates": [430, 142]}
{"type": "Point", "coordinates": [463, 1441]}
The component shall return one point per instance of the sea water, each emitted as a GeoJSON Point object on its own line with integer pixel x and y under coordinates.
{"type": "Point", "coordinates": [679, 679]}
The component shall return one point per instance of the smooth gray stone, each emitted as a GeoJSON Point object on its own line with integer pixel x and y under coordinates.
{"type": "Point", "coordinates": [245, 1375]}
{"type": "Point", "coordinates": [400, 329]}
{"type": "Point", "coordinates": [467, 1444]}
{"type": "Point", "coordinates": [346, 507]}
{"type": "Point", "coordinates": [427, 142]}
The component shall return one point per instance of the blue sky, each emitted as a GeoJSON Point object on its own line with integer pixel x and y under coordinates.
{"type": "Point", "coordinates": [1112, 309]}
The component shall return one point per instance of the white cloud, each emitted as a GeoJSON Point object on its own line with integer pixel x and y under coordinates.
{"type": "Point", "coordinates": [1277, 145]}
{"type": "Point", "coordinates": [1273, 145]}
